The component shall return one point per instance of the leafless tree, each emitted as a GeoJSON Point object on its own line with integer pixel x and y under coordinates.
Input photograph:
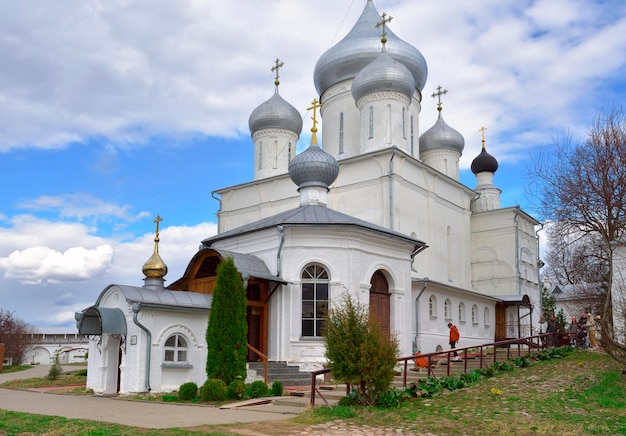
{"type": "Point", "coordinates": [582, 186]}
{"type": "Point", "coordinates": [15, 334]}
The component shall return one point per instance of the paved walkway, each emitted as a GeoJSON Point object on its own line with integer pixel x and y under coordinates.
{"type": "Point", "coordinates": [135, 413]}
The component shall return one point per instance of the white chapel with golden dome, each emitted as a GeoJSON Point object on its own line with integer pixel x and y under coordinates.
{"type": "Point", "coordinates": [377, 211]}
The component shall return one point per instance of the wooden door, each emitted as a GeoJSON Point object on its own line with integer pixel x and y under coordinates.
{"type": "Point", "coordinates": [380, 302]}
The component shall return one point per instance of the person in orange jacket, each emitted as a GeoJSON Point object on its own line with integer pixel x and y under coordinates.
{"type": "Point", "coordinates": [454, 338]}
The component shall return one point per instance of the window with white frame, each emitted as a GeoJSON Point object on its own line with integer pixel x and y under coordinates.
{"type": "Point", "coordinates": [314, 300]}
{"type": "Point", "coordinates": [474, 314]}
{"type": "Point", "coordinates": [486, 316]}
{"type": "Point", "coordinates": [461, 312]}
{"type": "Point", "coordinates": [447, 309]}
{"type": "Point", "coordinates": [176, 349]}
{"type": "Point", "coordinates": [432, 306]}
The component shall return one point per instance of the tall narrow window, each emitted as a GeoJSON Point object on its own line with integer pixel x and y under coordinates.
{"type": "Point", "coordinates": [341, 132]}
{"type": "Point", "coordinates": [412, 137]}
{"type": "Point", "coordinates": [461, 312]}
{"type": "Point", "coordinates": [371, 128]}
{"type": "Point", "coordinates": [260, 155]}
{"type": "Point", "coordinates": [486, 317]}
{"type": "Point", "coordinates": [432, 306]}
{"type": "Point", "coordinates": [314, 300]}
{"type": "Point", "coordinates": [175, 349]}
{"type": "Point", "coordinates": [403, 123]}
{"type": "Point", "coordinates": [474, 314]}
{"type": "Point", "coordinates": [447, 309]}
{"type": "Point", "coordinates": [290, 151]}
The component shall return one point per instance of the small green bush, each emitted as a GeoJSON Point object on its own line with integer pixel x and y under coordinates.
{"type": "Point", "coordinates": [81, 373]}
{"type": "Point", "coordinates": [258, 389]}
{"type": "Point", "coordinates": [392, 398]}
{"type": "Point", "coordinates": [213, 390]}
{"type": "Point", "coordinates": [277, 389]}
{"type": "Point", "coordinates": [236, 390]}
{"type": "Point", "coordinates": [188, 391]}
{"type": "Point", "coordinates": [56, 369]}
{"type": "Point", "coordinates": [168, 398]}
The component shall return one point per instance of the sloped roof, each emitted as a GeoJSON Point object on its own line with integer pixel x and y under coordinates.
{"type": "Point", "coordinates": [180, 299]}
{"type": "Point", "coordinates": [309, 215]}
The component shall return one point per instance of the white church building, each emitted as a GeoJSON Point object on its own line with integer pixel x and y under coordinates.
{"type": "Point", "coordinates": [377, 212]}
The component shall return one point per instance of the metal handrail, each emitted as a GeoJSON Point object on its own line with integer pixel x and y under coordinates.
{"type": "Point", "coordinates": [538, 341]}
{"type": "Point", "coordinates": [263, 359]}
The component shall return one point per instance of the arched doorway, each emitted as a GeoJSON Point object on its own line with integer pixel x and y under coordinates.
{"type": "Point", "coordinates": [380, 302]}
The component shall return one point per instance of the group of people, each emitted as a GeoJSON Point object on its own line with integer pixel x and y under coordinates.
{"type": "Point", "coordinates": [581, 332]}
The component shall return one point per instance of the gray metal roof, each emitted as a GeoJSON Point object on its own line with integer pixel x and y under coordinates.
{"type": "Point", "coordinates": [181, 299]}
{"type": "Point", "coordinates": [309, 215]}
{"type": "Point", "coordinates": [383, 75]}
{"type": "Point", "coordinates": [441, 135]}
{"type": "Point", "coordinates": [313, 167]}
{"type": "Point", "coordinates": [248, 263]}
{"type": "Point", "coordinates": [360, 47]}
{"type": "Point", "coordinates": [275, 113]}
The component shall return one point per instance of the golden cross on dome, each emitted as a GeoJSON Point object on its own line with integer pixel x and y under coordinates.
{"type": "Point", "coordinates": [438, 94]}
{"type": "Point", "coordinates": [277, 64]}
{"type": "Point", "coordinates": [482, 131]}
{"type": "Point", "coordinates": [157, 220]}
{"type": "Point", "coordinates": [383, 23]}
{"type": "Point", "coordinates": [316, 104]}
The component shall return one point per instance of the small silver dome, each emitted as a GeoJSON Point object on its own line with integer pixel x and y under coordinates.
{"type": "Point", "coordinates": [360, 47]}
{"type": "Point", "coordinates": [439, 136]}
{"type": "Point", "coordinates": [275, 113]}
{"type": "Point", "coordinates": [313, 167]}
{"type": "Point", "coordinates": [384, 74]}
{"type": "Point", "coordinates": [484, 162]}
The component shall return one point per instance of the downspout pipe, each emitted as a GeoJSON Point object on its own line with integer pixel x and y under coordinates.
{"type": "Point", "coordinates": [219, 210]}
{"type": "Point", "coordinates": [539, 265]}
{"type": "Point", "coordinates": [417, 327]}
{"type": "Point", "coordinates": [136, 309]}
{"type": "Point", "coordinates": [389, 180]}
{"type": "Point", "coordinates": [279, 253]}
{"type": "Point", "coordinates": [517, 256]}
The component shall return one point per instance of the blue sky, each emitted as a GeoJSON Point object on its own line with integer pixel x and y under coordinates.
{"type": "Point", "coordinates": [113, 112]}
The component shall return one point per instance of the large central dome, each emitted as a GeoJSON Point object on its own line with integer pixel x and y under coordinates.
{"type": "Point", "coordinates": [360, 47]}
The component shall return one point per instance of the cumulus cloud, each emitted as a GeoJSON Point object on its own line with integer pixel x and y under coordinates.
{"type": "Point", "coordinates": [42, 264]}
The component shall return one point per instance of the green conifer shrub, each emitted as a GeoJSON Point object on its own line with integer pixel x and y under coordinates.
{"type": "Point", "coordinates": [188, 391]}
{"type": "Point", "coordinates": [277, 388]}
{"type": "Point", "coordinates": [358, 352]}
{"type": "Point", "coordinates": [213, 390]}
{"type": "Point", "coordinates": [227, 330]}
{"type": "Point", "coordinates": [56, 369]}
{"type": "Point", "coordinates": [236, 390]}
{"type": "Point", "coordinates": [258, 389]}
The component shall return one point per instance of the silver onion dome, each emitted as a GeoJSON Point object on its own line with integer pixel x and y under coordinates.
{"type": "Point", "coordinates": [275, 113]}
{"type": "Point", "coordinates": [384, 74]}
{"type": "Point", "coordinates": [484, 162]}
{"type": "Point", "coordinates": [313, 167]}
{"type": "Point", "coordinates": [439, 136]}
{"type": "Point", "coordinates": [360, 47]}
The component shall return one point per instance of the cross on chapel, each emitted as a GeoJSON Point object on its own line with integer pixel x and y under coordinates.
{"type": "Point", "coordinates": [438, 94]}
{"type": "Point", "coordinates": [482, 131]}
{"type": "Point", "coordinates": [157, 220]}
{"type": "Point", "coordinates": [383, 23]}
{"type": "Point", "coordinates": [314, 107]}
{"type": "Point", "coordinates": [277, 64]}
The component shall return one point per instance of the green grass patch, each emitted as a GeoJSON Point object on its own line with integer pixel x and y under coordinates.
{"type": "Point", "coordinates": [14, 368]}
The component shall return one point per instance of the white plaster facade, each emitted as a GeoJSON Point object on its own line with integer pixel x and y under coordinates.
{"type": "Point", "coordinates": [388, 202]}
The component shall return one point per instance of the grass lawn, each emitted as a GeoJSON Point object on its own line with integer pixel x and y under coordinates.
{"type": "Point", "coordinates": [581, 394]}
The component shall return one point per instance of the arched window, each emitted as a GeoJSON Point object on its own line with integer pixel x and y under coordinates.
{"type": "Point", "coordinates": [314, 300]}
{"type": "Point", "coordinates": [461, 312]}
{"type": "Point", "coordinates": [486, 316]}
{"type": "Point", "coordinates": [371, 127]}
{"type": "Point", "coordinates": [432, 306]}
{"type": "Point", "coordinates": [340, 132]}
{"type": "Point", "coordinates": [176, 349]}
{"type": "Point", "coordinates": [474, 314]}
{"type": "Point", "coordinates": [260, 155]}
{"type": "Point", "coordinates": [447, 309]}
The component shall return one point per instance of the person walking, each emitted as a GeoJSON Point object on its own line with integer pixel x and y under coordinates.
{"type": "Point", "coordinates": [591, 328]}
{"type": "Point", "coordinates": [454, 338]}
{"type": "Point", "coordinates": [553, 327]}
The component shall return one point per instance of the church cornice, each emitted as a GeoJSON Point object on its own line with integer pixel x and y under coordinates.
{"type": "Point", "coordinates": [277, 132]}
{"type": "Point", "coordinates": [386, 95]}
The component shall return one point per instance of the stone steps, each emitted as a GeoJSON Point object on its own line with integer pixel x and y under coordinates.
{"type": "Point", "coordinates": [288, 375]}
